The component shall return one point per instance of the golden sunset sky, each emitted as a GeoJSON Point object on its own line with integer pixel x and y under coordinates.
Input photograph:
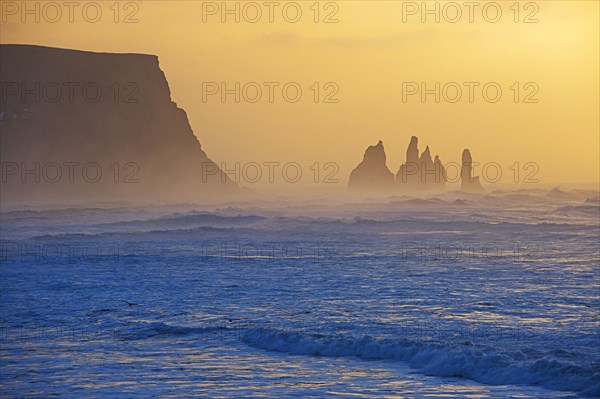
{"type": "Point", "coordinates": [368, 54]}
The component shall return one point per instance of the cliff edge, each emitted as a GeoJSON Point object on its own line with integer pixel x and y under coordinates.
{"type": "Point", "coordinates": [78, 125]}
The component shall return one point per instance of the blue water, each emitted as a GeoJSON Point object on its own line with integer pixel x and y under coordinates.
{"type": "Point", "coordinates": [476, 297]}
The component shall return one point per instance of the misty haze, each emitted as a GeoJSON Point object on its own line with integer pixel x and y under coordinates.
{"type": "Point", "coordinates": [299, 199]}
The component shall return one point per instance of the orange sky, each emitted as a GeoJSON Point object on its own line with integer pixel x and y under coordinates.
{"type": "Point", "coordinates": [367, 54]}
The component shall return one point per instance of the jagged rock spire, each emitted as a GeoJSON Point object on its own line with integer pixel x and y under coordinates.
{"type": "Point", "coordinates": [469, 182]}
{"type": "Point", "coordinates": [372, 174]}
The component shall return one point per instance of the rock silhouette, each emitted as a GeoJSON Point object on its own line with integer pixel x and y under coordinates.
{"type": "Point", "coordinates": [73, 109]}
{"type": "Point", "coordinates": [469, 182]}
{"type": "Point", "coordinates": [372, 174]}
{"type": "Point", "coordinates": [412, 152]}
{"type": "Point", "coordinates": [420, 174]}
{"type": "Point", "coordinates": [443, 177]}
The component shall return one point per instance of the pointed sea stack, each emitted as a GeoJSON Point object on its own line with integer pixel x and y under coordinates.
{"type": "Point", "coordinates": [443, 177]}
{"type": "Point", "coordinates": [421, 174]}
{"type": "Point", "coordinates": [469, 182]}
{"type": "Point", "coordinates": [372, 174]}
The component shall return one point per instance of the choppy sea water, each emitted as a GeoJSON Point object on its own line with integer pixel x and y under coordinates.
{"type": "Point", "coordinates": [457, 296]}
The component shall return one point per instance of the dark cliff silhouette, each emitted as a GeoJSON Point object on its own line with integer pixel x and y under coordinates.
{"type": "Point", "coordinates": [63, 111]}
{"type": "Point", "coordinates": [421, 174]}
{"type": "Point", "coordinates": [372, 174]}
{"type": "Point", "coordinates": [468, 182]}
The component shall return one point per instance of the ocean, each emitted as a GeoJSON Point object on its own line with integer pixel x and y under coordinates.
{"type": "Point", "coordinates": [461, 296]}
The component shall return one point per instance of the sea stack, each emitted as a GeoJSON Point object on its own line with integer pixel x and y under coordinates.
{"type": "Point", "coordinates": [372, 174]}
{"type": "Point", "coordinates": [420, 174]}
{"type": "Point", "coordinates": [469, 183]}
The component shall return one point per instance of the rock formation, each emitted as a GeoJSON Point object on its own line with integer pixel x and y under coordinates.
{"type": "Point", "coordinates": [372, 174]}
{"type": "Point", "coordinates": [443, 177]}
{"type": "Point", "coordinates": [469, 182]}
{"type": "Point", "coordinates": [79, 125]}
{"type": "Point", "coordinates": [420, 174]}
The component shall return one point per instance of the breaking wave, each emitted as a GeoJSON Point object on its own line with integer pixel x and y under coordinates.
{"type": "Point", "coordinates": [486, 365]}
